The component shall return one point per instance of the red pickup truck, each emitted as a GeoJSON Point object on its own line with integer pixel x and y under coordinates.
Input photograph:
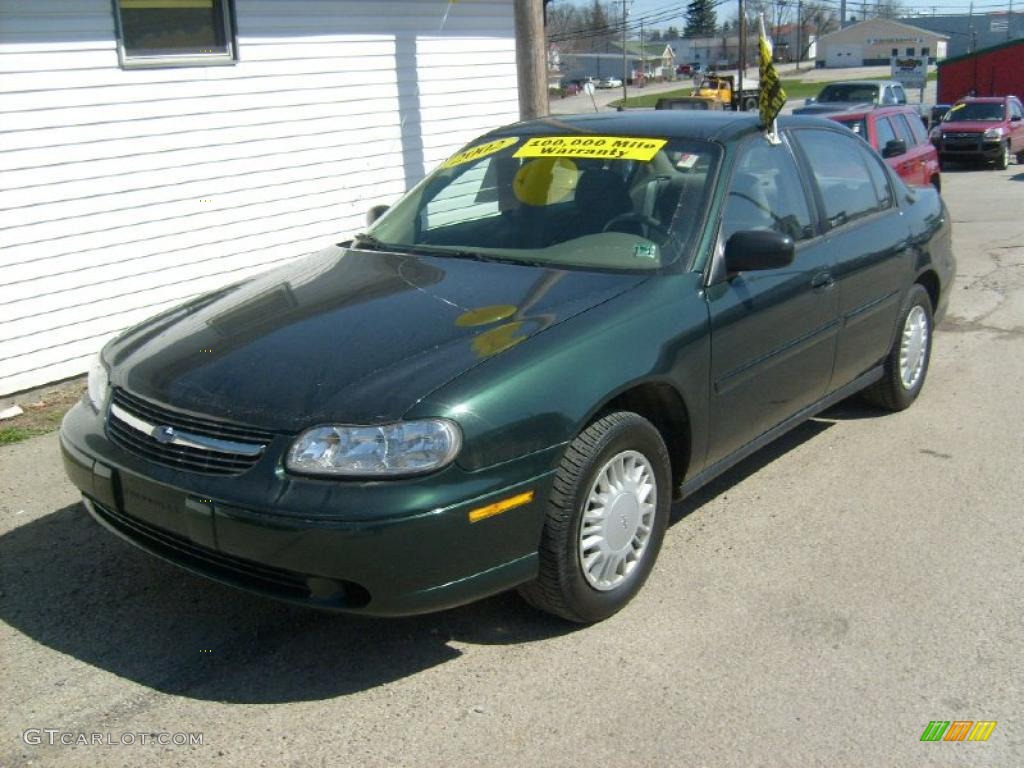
{"type": "Point", "coordinates": [899, 136]}
{"type": "Point", "coordinates": [987, 128]}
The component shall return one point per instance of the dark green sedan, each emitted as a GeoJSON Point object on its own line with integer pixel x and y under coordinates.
{"type": "Point", "coordinates": [506, 380]}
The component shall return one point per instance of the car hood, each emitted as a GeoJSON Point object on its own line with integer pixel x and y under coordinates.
{"type": "Point", "coordinates": [971, 126]}
{"type": "Point", "coordinates": [344, 336]}
{"type": "Point", "coordinates": [823, 107]}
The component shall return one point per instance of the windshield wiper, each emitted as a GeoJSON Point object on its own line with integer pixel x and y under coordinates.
{"type": "Point", "coordinates": [370, 242]}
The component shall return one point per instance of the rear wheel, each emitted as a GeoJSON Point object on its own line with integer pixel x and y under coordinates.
{"type": "Point", "coordinates": [606, 519]}
{"type": "Point", "coordinates": [906, 365]}
{"type": "Point", "coordinates": [1020, 158]}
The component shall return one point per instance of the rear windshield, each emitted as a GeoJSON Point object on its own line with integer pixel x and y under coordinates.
{"type": "Point", "coordinates": [857, 125]}
{"type": "Point", "coordinates": [602, 202]}
{"type": "Point", "coordinates": [848, 92]}
{"type": "Point", "coordinates": [975, 110]}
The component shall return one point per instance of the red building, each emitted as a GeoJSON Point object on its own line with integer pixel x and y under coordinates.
{"type": "Point", "coordinates": [995, 71]}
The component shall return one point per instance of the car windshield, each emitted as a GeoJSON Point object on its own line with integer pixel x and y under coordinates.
{"type": "Point", "coordinates": [848, 92]}
{"type": "Point", "coordinates": [974, 110]}
{"type": "Point", "coordinates": [597, 202]}
{"type": "Point", "coordinates": [857, 125]}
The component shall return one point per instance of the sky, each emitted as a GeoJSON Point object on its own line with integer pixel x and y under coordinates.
{"type": "Point", "coordinates": [660, 8]}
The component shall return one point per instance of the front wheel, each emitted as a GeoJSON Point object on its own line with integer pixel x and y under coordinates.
{"type": "Point", "coordinates": [750, 104]}
{"type": "Point", "coordinates": [906, 365]}
{"type": "Point", "coordinates": [1003, 161]}
{"type": "Point", "coordinates": [1020, 158]}
{"type": "Point", "coordinates": [606, 519]}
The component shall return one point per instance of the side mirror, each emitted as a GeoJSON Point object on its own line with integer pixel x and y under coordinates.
{"type": "Point", "coordinates": [894, 147]}
{"type": "Point", "coordinates": [756, 249]}
{"type": "Point", "coordinates": [375, 213]}
{"type": "Point", "coordinates": [808, 102]}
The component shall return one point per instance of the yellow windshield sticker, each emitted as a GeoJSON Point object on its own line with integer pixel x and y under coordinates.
{"type": "Point", "coordinates": [545, 181]}
{"type": "Point", "coordinates": [480, 150]}
{"type": "Point", "coordinates": [614, 147]}
{"type": "Point", "coordinates": [955, 107]}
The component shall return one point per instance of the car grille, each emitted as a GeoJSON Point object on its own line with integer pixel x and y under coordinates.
{"type": "Point", "coordinates": [968, 141]}
{"type": "Point", "coordinates": [191, 443]}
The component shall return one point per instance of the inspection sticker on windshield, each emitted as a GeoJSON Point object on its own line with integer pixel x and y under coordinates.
{"type": "Point", "coordinates": [480, 150]}
{"type": "Point", "coordinates": [614, 147]}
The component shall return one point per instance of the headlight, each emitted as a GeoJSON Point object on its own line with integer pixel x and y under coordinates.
{"type": "Point", "coordinates": [99, 384]}
{"type": "Point", "coordinates": [390, 450]}
{"type": "Point", "coordinates": [993, 133]}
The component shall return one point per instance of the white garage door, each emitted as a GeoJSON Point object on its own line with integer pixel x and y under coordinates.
{"type": "Point", "coordinates": [844, 56]}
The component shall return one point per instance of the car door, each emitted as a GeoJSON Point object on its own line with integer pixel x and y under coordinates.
{"type": "Point", "coordinates": [869, 240]}
{"type": "Point", "coordinates": [1016, 113]}
{"type": "Point", "coordinates": [773, 331]}
{"type": "Point", "coordinates": [910, 166]}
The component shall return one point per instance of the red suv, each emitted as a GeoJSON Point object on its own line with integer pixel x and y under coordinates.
{"type": "Point", "coordinates": [899, 136]}
{"type": "Point", "coordinates": [989, 128]}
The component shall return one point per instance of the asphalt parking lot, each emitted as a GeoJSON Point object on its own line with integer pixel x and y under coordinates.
{"type": "Point", "coordinates": [818, 605]}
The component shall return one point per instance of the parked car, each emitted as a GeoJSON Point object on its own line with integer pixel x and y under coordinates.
{"type": "Point", "coordinates": [610, 82]}
{"type": "Point", "coordinates": [938, 111]}
{"type": "Point", "coordinates": [684, 69]}
{"type": "Point", "coordinates": [985, 128]}
{"type": "Point", "coordinates": [508, 377]}
{"type": "Point", "coordinates": [899, 136]}
{"type": "Point", "coordinates": [854, 95]}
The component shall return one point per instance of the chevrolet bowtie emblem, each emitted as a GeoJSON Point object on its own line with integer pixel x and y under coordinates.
{"type": "Point", "coordinates": [163, 434]}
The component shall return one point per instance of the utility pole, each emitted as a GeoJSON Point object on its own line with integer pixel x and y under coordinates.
{"type": "Point", "coordinates": [842, 13]}
{"type": "Point", "coordinates": [799, 35]}
{"type": "Point", "coordinates": [742, 65]}
{"type": "Point", "coordinates": [531, 59]}
{"type": "Point", "coordinates": [624, 67]}
{"type": "Point", "coordinates": [1009, 20]}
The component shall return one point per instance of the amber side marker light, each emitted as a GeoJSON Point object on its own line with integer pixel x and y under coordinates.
{"type": "Point", "coordinates": [481, 513]}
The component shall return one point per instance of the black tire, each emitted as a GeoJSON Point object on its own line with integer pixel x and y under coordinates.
{"type": "Point", "coordinates": [890, 392]}
{"type": "Point", "coordinates": [937, 183]}
{"type": "Point", "coordinates": [1003, 161]}
{"type": "Point", "coordinates": [1020, 158]}
{"type": "Point", "coordinates": [749, 104]}
{"type": "Point", "coordinates": [561, 587]}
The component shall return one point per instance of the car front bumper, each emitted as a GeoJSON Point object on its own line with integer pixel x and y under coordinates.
{"type": "Point", "coordinates": [381, 548]}
{"type": "Point", "coordinates": [969, 149]}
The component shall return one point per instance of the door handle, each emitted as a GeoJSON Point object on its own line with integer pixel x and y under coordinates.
{"type": "Point", "coordinates": [822, 281]}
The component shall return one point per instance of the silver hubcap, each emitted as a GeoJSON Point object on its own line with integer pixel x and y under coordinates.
{"type": "Point", "coordinates": [913, 347]}
{"type": "Point", "coordinates": [618, 516]}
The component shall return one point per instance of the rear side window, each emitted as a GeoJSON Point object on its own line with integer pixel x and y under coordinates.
{"type": "Point", "coordinates": [848, 188]}
{"type": "Point", "coordinates": [917, 129]}
{"type": "Point", "coordinates": [879, 178]}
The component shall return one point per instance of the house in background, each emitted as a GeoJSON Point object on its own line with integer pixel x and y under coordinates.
{"type": "Point", "coordinates": [153, 150]}
{"type": "Point", "coordinates": [875, 42]}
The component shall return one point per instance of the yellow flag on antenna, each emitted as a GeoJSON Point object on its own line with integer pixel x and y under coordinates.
{"type": "Point", "coordinates": [771, 97]}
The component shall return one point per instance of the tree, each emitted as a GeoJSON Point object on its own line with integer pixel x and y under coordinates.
{"type": "Point", "coordinates": [701, 20]}
{"type": "Point", "coordinates": [672, 34]}
{"type": "Point", "coordinates": [654, 37]}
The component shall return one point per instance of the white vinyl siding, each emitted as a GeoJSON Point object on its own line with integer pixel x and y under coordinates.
{"type": "Point", "coordinates": [127, 191]}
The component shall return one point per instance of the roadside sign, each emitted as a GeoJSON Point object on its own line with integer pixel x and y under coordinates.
{"type": "Point", "coordinates": [588, 88]}
{"type": "Point", "coordinates": [910, 71]}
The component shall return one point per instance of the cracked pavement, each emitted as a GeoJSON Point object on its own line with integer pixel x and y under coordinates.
{"type": "Point", "coordinates": [816, 606]}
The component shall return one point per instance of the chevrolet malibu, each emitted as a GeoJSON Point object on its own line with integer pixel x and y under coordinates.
{"type": "Point", "coordinates": [506, 380]}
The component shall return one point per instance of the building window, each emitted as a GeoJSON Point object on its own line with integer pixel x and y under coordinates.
{"type": "Point", "coordinates": [174, 33]}
{"type": "Point", "coordinates": [926, 51]}
{"type": "Point", "coordinates": [910, 51]}
{"type": "Point", "coordinates": [895, 52]}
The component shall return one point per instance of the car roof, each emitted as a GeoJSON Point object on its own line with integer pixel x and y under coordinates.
{"type": "Point", "coordinates": [710, 125]}
{"type": "Point", "coordinates": [863, 82]}
{"type": "Point", "coordinates": [893, 109]}
{"type": "Point", "coordinates": [982, 99]}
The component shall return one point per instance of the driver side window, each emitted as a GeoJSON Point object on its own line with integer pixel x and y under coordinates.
{"type": "Point", "coordinates": [766, 193]}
